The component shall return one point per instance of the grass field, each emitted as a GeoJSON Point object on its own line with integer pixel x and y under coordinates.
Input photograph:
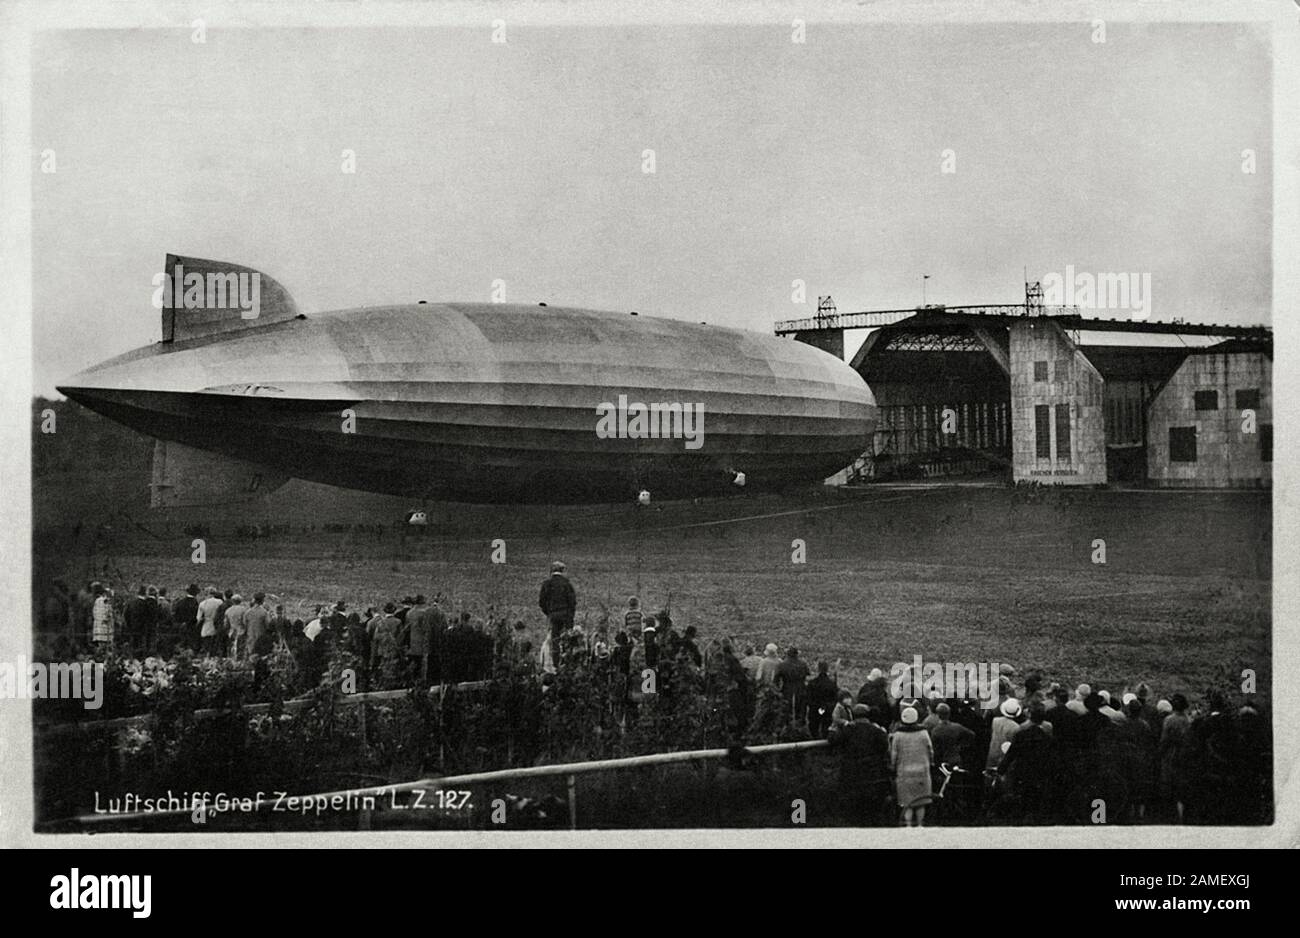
{"type": "Point", "coordinates": [955, 573]}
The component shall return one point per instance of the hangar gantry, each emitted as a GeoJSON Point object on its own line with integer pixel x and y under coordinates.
{"type": "Point", "coordinates": [1042, 393]}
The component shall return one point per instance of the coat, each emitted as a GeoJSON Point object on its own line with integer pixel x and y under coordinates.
{"type": "Point", "coordinates": [557, 597]}
{"type": "Point", "coordinates": [1003, 729]}
{"type": "Point", "coordinates": [952, 742]}
{"type": "Point", "coordinates": [417, 629]}
{"type": "Point", "coordinates": [186, 614]}
{"type": "Point", "coordinates": [864, 756]}
{"type": "Point", "coordinates": [911, 753]}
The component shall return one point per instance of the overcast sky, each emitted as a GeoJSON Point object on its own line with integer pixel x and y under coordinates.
{"type": "Point", "coordinates": [523, 162]}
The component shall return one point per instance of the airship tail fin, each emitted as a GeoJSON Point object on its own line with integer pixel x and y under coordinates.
{"type": "Point", "coordinates": [202, 297]}
{"type": "Point", "coordinates": [184, 476]}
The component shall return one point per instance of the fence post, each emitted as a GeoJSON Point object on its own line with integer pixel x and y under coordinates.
{"type": "Point", "coordinates": [573, 802]}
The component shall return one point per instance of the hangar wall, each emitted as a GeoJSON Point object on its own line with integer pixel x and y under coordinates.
{"type": "Point", "coordinates": [1058, 426]}
{"type": "Point", "coordinates": [1198, 431]}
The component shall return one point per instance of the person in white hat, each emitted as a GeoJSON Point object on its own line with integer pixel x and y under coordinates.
{"type": "Point", "coordinates": [911, 753]}
{"type": "Point", "coordinates": [1081, 693]}
{"type": "Point", "coordinates": [1004, 728]}
{"type": "Point", "coordinates": [770, 664]}
{"type": "Point", "coordinates": [1110, 711]}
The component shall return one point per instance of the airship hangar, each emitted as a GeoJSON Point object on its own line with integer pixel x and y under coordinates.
{"type": "Point", "coordinates": [1037, 393]}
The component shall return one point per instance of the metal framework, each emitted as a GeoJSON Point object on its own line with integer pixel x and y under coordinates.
{"type": "Point", "coordinates": [1069, 317]}
{"type": "Point", "coordinates": [923, 341]}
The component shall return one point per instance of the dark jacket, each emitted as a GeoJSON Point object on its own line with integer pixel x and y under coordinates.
{"type": "Point", "coordinates": [1029, 759]}
{"type": "Point", "coordinates": [864, 753]}
{"type": "Point", "coordinates": [953, 743]}
{"type": "Point", "coordinates": [557, 597]}
{"type": "Point", "coordinates": [186, 614]}
{"type": "Point", "coordinates": [875, 694]}
{"type": "Point", "coordinates": [791, 677]}
{"type": "Point", "coordinates": [139, 617]}
{"type": "Point", "coordinates": [823, 693]}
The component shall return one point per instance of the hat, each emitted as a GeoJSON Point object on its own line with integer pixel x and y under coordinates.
{"type": "Point", "coordinates": [1164, 706]}
{"type": "Point", "coordinates": [770, 649]}
{"type": "Point", "coordinates": [557, 566]}
{"type": "Point", "coordinates": [1010, 707]}
{"type": "Point", "coordinates": [1129, 698]}
{"type": "Point", "coordinates": [1006, 669]}
{"type": "Point", "coordinates": [1083, 690]}
{"type": "Point", "coordinates": [875, 674]}
{"type": "Point", "coordinates": [861, 710]}
{"type": "Point", "coordinates": [1105, 695]}
{"type": "Point", "coordinates": [908, 715]}
{"type": "Point", "coordinates": [390, 607]}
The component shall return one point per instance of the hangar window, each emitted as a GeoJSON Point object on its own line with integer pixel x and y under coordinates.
{"type": "Point", "coordinates": [1248, 399]}
{"type": "Point", "coordinates": [1182, 444]}
{"type": "Point", "coordinates": [1040, 371]}
{"type": "Point", "coordinates": [1207, 400]}
{"type": "Point", "coordinates": [1266, 442]}
{"type": "Point", "coordinates": [1063, 432]}
{"type": "Point", "coordinates": [1043, 431]}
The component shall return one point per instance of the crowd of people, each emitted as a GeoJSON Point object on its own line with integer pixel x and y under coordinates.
{"type": "Point", "coordinates": [393, 644]}
{"type": "Point", "coordinates": [1040, 752]}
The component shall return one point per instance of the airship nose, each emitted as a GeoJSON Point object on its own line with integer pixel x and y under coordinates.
{"type": "Point", "coordinates": [101, 400]}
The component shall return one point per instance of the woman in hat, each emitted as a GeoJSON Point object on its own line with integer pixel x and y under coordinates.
{"type": "Point", "coordinates": [911, 754]}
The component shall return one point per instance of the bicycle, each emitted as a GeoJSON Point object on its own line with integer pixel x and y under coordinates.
{"type": "Point", "coordinates": [947, 808]}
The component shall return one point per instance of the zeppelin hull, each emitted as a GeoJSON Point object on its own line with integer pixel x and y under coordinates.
{"type": "Point", "coordinates": [492, 403]}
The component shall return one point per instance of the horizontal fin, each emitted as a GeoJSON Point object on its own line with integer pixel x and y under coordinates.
{"type": "Point", "coordinates": [202, 297]}
{"type": "Point", "coordinates": [184, 476]}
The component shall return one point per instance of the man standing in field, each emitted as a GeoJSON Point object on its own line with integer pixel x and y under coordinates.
{"type": "Point", "coordinates": [864, 765]}
{"type": "Point", "coordinates": [384, 649]}
{"type": "Point", "coordinates": [235, 627]}
{"type": "Point", "coordinates": [792, 679]}
{"type": "Point", "coordinates": [280, 624]}
{"type": "Point", "coordinates": [768, 666]}
{"type": "Point", "coordinates": [186, 615]}
{"type": "Point", "coordinates": [823, 694]}
{"type": "Point", "coordinates": [417, 641]}
{"type": "Point", "coordinates": [257, 621]}
{"type": "Point", "coordinates": [952, 741]}
{"type": "Point", "coordinates": [223, 629]}
{"type": "Point", "coordinates": [138, 619]}
{"type": "Point", "coordinates": [632, 618]}
{"type": "Point", "coordinates": [558, 602]}
{"type": "Point", "coordinates": [207, 620]}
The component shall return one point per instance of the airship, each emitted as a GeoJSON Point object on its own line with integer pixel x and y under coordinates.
{"type": "Point", "coordinates": [468, 402]}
